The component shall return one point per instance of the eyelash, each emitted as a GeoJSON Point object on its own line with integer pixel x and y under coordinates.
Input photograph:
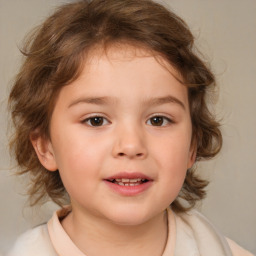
{"type": "Point", "coordinates": [89, 120]}
{"type": "Point", "coordinates": [165, 120]}
{"type": "Point", "coordinates": [102, 121]}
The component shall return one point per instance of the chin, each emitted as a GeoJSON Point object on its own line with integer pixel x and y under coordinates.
{"type": "Point", "coordinates": [129, 217]}
{"type": "Point", "coordinates": [129, 221]}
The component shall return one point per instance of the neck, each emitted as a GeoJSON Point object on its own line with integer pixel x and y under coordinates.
{"type": "Point", "coordinates": [96, 236]}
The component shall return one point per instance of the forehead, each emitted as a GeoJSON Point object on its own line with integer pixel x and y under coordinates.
{"type": "Point", "coordinates": [120, 70]}
{"type": "Point", "coordinates": [125, 52]}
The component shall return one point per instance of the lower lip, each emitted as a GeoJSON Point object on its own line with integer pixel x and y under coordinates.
{"type": "Point", "coordinates": [129, 190]}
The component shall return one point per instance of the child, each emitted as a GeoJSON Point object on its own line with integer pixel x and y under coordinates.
{"type": "Point", "coordinates": [110, 115]}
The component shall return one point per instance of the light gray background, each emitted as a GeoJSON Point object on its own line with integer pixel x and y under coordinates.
{"type": "Point", "coordinates": [226, 34]}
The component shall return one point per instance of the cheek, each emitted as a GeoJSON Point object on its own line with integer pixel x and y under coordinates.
{"type": "Point", "coordinates": [173, 158]}
{"type": "Point", "coordinates": [73, 145]}
{"type": "Point", "coordinates": [174, 170]}
{"type": "Point", "coordinates": [174, 151]}
{"type": "Point", "coordinates": [79, 157]}
{"type": "Point", "coordinates": [78, 170]}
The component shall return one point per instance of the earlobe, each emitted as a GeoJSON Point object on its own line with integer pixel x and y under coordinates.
{"type": "Point", "coordinates": [44, 151]}
{"type": "Point", "coordinates": [192, 155]}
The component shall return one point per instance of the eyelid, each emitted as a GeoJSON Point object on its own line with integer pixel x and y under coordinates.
{"type": "Point", "coordinates": [164, 116]}
{"type": "Point", "coordinates": [90, 116]}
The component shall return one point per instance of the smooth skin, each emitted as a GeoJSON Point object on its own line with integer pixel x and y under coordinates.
{"type": "Point", "coordinates": [126, 113]}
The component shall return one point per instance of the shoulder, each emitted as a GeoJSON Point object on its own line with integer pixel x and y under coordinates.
{"type": "Point", "coordinates": [196, 228]}
{"type": "Point", "coordinates": [35, 241]}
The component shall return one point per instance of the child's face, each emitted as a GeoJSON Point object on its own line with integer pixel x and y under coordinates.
{"type": "Point", "coordinates": [121, 138]}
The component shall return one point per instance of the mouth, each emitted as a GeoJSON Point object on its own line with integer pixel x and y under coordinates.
{"type": "Point", "coordinates": [128, 182]}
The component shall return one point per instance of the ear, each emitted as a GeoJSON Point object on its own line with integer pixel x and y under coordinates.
{"type": "Point", "coordinates": [192, 154]}
{"type": "Point", "coordinates": [44, 151]}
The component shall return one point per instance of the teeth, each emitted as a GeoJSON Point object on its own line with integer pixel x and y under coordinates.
{"type": "Point", "coordinates": [135, 180]}
{"type": "Point", "coordinates": [128, 182]}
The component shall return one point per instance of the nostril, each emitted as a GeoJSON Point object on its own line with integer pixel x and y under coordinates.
{"type": "Point", "coordinates": [136, 155]}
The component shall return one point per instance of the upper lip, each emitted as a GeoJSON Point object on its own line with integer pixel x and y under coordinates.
{"type": "Point", "coordinates": [129, 175]}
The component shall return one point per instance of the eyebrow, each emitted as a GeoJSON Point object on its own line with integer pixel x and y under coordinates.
{"type": "Point", "coordinates": [93, 100]}
{"type": "Point", "coordinates": [165, 100]}
{"type": "Point", "coordinates": [110, 100]}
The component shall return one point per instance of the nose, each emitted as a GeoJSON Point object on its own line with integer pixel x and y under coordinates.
{"type": "Point", "coordinates": [130, 142]}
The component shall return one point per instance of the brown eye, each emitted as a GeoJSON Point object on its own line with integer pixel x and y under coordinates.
{"type": "Point", "coordinates": [159, 121]}
{"type": "Point", "coordinates": [96, 121]}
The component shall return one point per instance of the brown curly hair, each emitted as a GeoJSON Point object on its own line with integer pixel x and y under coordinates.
{"type": "Point", "coordinates": [54, 54]}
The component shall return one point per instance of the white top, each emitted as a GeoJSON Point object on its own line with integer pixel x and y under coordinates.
{"type": "Point", "coordinates": [189, 234]}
